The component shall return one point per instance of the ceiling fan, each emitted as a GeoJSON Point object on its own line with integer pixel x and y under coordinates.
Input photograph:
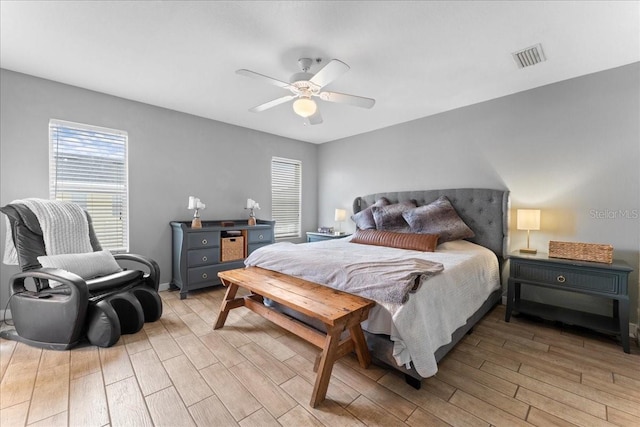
{"type": "Point", "coordinates": [304, 86]}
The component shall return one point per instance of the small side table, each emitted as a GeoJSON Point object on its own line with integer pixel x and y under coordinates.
{"type": "Point", "coordinates": [313, 236]}
{"type": "Point", "coordinates": [592, 278]}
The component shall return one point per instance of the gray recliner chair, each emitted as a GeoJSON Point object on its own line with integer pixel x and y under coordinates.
{"type": "Point", "coordinates": [99, 309]}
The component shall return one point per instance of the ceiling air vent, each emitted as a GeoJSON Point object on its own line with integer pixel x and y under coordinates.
{"type": "Point", "coordinates": [529, 56]}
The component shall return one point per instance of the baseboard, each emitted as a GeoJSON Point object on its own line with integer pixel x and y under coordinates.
{"type": "Point", "coordinates": [163, 287]}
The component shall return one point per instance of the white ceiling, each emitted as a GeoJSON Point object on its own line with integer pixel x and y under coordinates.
{"type": "Point", "coordinates": [415, 58]}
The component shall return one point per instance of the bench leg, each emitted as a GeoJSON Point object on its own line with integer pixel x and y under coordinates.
{"type": "Point", "coordinates": [360, 344]}
{"type": "Point", "coordinates": [326, 366]}
{"type": "Point", "coordinates": [226, 305]}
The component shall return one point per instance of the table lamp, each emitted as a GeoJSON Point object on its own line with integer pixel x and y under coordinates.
{"type": "Point", "coordinates": [251, 205]}
{"type": "Point", "coordinates": [340, 217]}
{"type": "Point", "coordinates": [528, 219]}
{"type": "Point", "coordinates": [195, 203]}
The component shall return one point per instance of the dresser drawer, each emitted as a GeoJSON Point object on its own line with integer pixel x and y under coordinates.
{"type": "Point", "coordinates": [203, 240]}
{"type": "Point", "coordinates": [252, 247]}
{"type": "Point", "coordinates": [260, 236]}
{"type": "Point", "coordinates": [203, 274]}
{"type": "Point", "coordinates": [203, 257]}
{"type": "Point", "coordinates": [567, 277]}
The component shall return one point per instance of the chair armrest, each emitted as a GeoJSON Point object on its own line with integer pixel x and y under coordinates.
{"type": "Point", "coordinates": [76, 284]}
{"type": "Point", "coordinates": [154, 268]}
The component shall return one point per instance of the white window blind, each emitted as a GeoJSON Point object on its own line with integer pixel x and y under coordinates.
{"type": "Point", "coordinates": [286, 177]}
{"type": "Point", "coordinates": [88, 166]}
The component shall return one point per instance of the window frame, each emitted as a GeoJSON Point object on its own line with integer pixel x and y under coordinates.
{"type": "Point", "coordinates": [56, 189]}
{"type": "Point", "coordinates": [294, 230]}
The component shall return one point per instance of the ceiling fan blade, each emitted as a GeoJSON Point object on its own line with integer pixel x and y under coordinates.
{"type": "Point", "coordinates": [263, 78]}
{"type": "Point", "coordinates": [343, 98]}
{"type": "Point", "coordinates": [271, 104]}
{"type": "Point", "coordinates": [334, 69]}
{"type": "Point", "coordinates": [314, 119]}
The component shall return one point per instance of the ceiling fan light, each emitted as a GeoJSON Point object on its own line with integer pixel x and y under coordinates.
{"type": "Point", "coordinates": [304, 107]}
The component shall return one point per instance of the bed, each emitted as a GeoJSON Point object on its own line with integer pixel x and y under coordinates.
{"type": "Point", "coordinates": [414, 332]}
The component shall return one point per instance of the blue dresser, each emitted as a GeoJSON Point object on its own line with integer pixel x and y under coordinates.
{"type": "Point", "coordinates": [198, 254]}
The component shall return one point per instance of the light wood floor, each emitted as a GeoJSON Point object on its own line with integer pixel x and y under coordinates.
{"type": "Point", "coordinates": [178, 371]}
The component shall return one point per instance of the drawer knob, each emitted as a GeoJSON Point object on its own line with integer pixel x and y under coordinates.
{"type": "Point", "coordinates": [205, 275]}
{"type": "Point", "coordinates": [561, 279]}
{"type": "Point", "coordinates": [204, 258]}
{"type": "Point", "coordinates": [204, 241]}
{"type": "Point", "coordinates": [261, 237]}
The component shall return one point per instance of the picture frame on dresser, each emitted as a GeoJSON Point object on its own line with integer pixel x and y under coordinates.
{"type": "Point", "coordinates": [198, 254]}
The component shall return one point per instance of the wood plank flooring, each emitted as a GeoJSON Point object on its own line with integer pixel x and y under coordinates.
{"type": "Point", "coordinates": [180, 372]}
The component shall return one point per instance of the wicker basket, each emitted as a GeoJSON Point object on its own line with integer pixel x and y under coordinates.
{"type": "Point", "coordinates": [232, 248]}
{"type": "Point", "coordinates": [581, 251]}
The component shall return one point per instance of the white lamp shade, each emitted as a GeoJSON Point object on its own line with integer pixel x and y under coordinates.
{"type": "Point", "coordinates": [341, 215]}
{"type": "Point", "coordinates": [304, 107]}
{"type": "Point", "coordinates": [528, 219]}
{"type": "Point", "coordinates": [193, 202]}
{"type": "Point", "coordinates": [252, 204]}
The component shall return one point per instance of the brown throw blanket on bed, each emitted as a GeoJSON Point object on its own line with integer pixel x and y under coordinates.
{"type": "Point", "coordinates": [382, 274]}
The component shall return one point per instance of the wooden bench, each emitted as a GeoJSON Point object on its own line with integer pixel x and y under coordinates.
{"type": "Point", "coordinates": [338, 311]}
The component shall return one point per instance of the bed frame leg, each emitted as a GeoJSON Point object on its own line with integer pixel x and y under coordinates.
{"type": "Point", "coordinates": [413, 382]}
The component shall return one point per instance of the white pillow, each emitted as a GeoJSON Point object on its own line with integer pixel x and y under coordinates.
{"type": "Point", "coordinates": [86, 265]}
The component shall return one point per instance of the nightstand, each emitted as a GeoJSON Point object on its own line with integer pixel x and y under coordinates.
{"type": "Point", "coordinates": [312, 236]}
{"type": "Point", "coordinates": [592, 278]}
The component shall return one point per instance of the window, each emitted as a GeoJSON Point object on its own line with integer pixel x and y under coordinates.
{"type": "Point", "coordinates": [286, 177]}
{"type": "Point", "coordinates": [88, 166]}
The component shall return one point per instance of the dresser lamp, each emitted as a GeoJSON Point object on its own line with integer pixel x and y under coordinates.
{"type": "Point", "coordinates": [251, 205]}
{"type": "Point", "coordinates": [196, 204]}
{"type": "Point", "coordinates": [340, 217]}
{"type": "Point", "coordinates": [528, 219]}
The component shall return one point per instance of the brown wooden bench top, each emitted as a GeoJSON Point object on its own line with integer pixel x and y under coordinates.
{"type": "Point", "coordinates": [318, 301]}
{"type": "Point", "coordinates": [337, 310]}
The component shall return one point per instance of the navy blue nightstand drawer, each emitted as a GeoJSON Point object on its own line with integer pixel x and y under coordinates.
{"type": "Point", "coordinates": [566, 277]}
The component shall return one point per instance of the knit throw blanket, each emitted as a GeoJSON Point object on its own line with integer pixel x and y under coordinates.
{"type": "Point", "coordinates": [65, 228]}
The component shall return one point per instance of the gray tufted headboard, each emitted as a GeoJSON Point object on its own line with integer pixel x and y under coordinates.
{"type": "Point", "coordinates": [485, 211]}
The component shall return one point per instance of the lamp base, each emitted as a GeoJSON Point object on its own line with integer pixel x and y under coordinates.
{"type": "Point", "coordinates": [196, 223]}
{"type": "Point", "coordinates": [528, 251]}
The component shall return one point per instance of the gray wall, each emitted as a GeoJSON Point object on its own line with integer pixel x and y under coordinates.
{"type": "Point", "coordinates": [171, 156]}
{"type": "Point", "coordinates": [571, 149]}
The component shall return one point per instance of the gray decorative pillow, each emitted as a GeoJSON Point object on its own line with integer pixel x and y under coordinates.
{"type": "Point", "coordinates": [438, 217]}
{"type": "Point", "coordinates": [86, 265]}
{"type": "Point", "coordinates": [364, 218]}
{"type": "Point", "coordinates": [389, 218]}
